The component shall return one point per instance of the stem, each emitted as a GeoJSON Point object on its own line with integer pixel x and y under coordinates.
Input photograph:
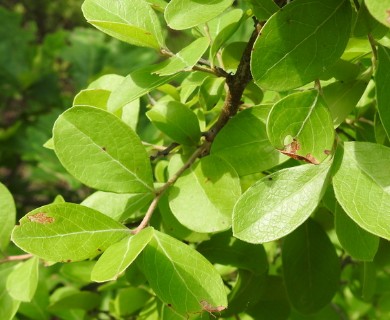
{"type": "Point", "coordinates": [16, 258]}
{"type": "Point", "coordinates": [198, 152]}
{"type": "Point", "coordinates": [235, 87]}
{"type": "Point", "coordinates": [374, 51]}
{"type": "Point", "coordinates": [164, 151]}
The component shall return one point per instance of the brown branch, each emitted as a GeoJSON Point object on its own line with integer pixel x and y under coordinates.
{"type": "Point", "coordinates": [165, 151]}
{"type": "Point", "coordinates": [16, 258]}
{"type": "Point", "coordinates": [236, 84]}
{"type": "Point", "coordinates": [235, 88]}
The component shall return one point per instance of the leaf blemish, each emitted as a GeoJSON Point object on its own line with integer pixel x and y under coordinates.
{"type": "Point", "coordinates": [41, 218]}
{"type": "Point", "coordinates": [327, 152]}
{"type": "Point", "coordinates": [388, 16]}
{"type": "Point", "coordinates": [210, 309]}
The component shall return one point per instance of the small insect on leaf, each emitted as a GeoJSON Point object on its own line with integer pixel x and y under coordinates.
{"type": "Point", "coordinates": [210, 309]}
{"type": "Point", "coordinates": [41, 218]}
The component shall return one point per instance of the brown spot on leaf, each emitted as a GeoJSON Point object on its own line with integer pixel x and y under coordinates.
{"type": "Point", "coordinates": [327, 152]}
{"type": "Point", "coordinates": [41, 218]}
{"type": "Point", "coordinates": [209, 308]}
{"type": "Point", "coordinates": [104, 148]}
{"type": "Point", "coordinates": [388, 16]}
{"type": "Point", "coordinates": [68, 260]}
{"type": "Point", "coordinates": [292, 148]}
{"type": "Point", "coordinates": [100, 250]}
{"type": "Point", "coordinates": [311, 159]}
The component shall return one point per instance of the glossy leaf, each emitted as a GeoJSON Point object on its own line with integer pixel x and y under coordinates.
{"type": "Point", "coordinates": [311, 268]}
{"type": "Point", "coordinates": [185, 59]}
{"type": "Point", "coordinates": [135, 85]}
{"type": "Point", "coordinates": [84, 300]}
{"type": "Point", "coordinates": [360, 244]}
{"type": "Point", "coordinates": [78, 272]}
{"type": "Point", "coordinates": [180, 276]}
{"type": "Point", "coordinates": [263, 9]}
{"type": "Point", "coordinates": [222, 248]}
{"type": "Point", "coordinates": [109, 267]}
{"type": "Point", "coordinates": [8, 305]}
{"type": "Point", "coordinates": [7, 216]}
{"type": "Point", "coordinates": [118, 206]}
{"type": "Point", "coordinates": [177, 121]}
{"type": "Point", "coordinates": [23, 280]}
{"type": "Point", "coordinates": [101, 151]}
{"type": "Point", "coordinates": [140, 28]}
{"type": "Point", "coordinates": [300, 126]}
{"type": "Point", "coordinates": [341, 97]}
{"type": "Point", "coordinates": [202, 199]}
{"type": "Point", "coordinates": [129, 300]}
{"type": "Point", "coordinates": [67, 232]}
{"type": "Point", "coordinates": [222, 28]}
{"type": "Point", "coordinates": [380, 10]}
{"type": "Point", "coordinates": [300, 42]}
{"type": "Point", "coordinates": [244, 144]}
{"type": "Point", "coordinates": [382, 78]}
{"type": "Point", "coordinates": [92, 97]}
{"type": "Point", "coordinates": [279, 203]}
{"type": "Point", "coordinates": [362, 186]}
{"type": "Point", "coordinates": [184, 14]}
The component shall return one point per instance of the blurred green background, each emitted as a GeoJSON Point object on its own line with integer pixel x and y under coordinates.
{"type": "Point", "coordinates": [47, 54]}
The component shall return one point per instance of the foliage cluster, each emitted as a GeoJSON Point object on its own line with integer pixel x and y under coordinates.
{"type": "Point", "coordinates": [255, 185]}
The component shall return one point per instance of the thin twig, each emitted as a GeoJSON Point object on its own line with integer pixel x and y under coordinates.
{"type": "Point", "coordinates": [373, 48]}
{"type": "Point", "coordinates": [154, 146]}
{"type": "Point", "coordinates": [198, 152]}
{"type": "Point", "coordinates": [165, 151]}
{"type": "Point", "coordinates": [16, 258]}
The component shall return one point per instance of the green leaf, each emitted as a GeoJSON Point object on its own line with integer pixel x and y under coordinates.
{"type": "Point", "coordinates": [84, 300]}
{"type": "Point", "coordinates": [118, 206]}
{"type": "Point", "coordinates": [362, 186]}
{"type": "Point", "coordinates": [380, 10]}
{"type": "Point", "coordinates": [247, 291]}
{"type": "Point", "coordinates": [360, 244]}
{"type": "Point", "coordinates": [222, 28]}
{"type": "Point", "coordinates": [222, 248]}
{"type": "Point", "coordinates": [67, 232]}
{"type": "Point", "coordinates": [140, 28]}
{"type": "Point", "coordinates": [180, 276]}
{"type": "Point", "coordinates": [263, 9]}
{"type": "Point", "coordinates": [129, 300]}
{"type": "Point", "coordinates": [78, 272]}
{"type": "Point", "coordinates": [244, 144]}
{"type": "Point", "coordinates": [184, 14]}
{"type": "Point", "coordinates": [300, 42]}
{"type": "Point", "coordinates": [120, 255]}
{"type": "Point", "coordinates": [185, 59]}
{"type": "Point", "coordinates": [23, 280]}
{"type": "Point", "coordinates": [301, 126]}
{"type": "Point", "coordinates": [135, 85]}
{"type": "Point", "coordinates": [8, 306]}
{"type": "Point", "coordinates": [382, 78]}
{"type": "Point", "coordinates": [341, 97]}
{"type": "Point", "coordinates": [177, 121]}
{"type": "Point", "coordinates": [311, 268]}
{"type": "Point", "coordinates": [101, 151]}
{"type": "Point", "coordinates": [279, 203]}
{"type": "Point", "coordinates": [7, 216]}
{"type": "Point", "coordinates": [202, 199]}
{"type": "Point", "coordinates": [92, 97]}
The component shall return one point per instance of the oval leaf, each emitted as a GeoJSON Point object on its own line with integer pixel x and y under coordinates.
{"type": "Point", "coordinates": [140, 28]}
{"type": "Point", "coordinates": [362, 186]}
{"type": "Point", "coordinates": [300, 126]}
{"type": "Point", "coordinates": [311, 268]}
{"type": "Point", "coordinates": [23, 280]}
{"type": "Point", "coordinates": [109, 266]}
{"type": "Point", "coordinates": [101, 151]}
{"type": "Point", "coordinates": [380, 10]}
{"type": "Point", "coordinates": [278, 204]}
{"type": "Point", "coordinates": [202, 199]}
{"type": "Point", "coordinates": [177, 121]}
{"type": "Point", "coordinates": [249, 151]}
{"type": "Point", "coordinates": [382, 79]}
{"type": "Point", "coordinates": [135, 85]}
{"type": "Point", "coordinates": [184, 14]}
{"type": "Point", "coordinates": [7, 216]}
{"type": "Point", "coordinates": [180, 276]}
{"type": "Point", "coordinates": [360, 244]}
{"type": "Point", "coordinates": [67, 232]}
{"type": "Point", "coordinates": [299, 42]}
{"type": "Point", "coordinates": [185, 59]}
